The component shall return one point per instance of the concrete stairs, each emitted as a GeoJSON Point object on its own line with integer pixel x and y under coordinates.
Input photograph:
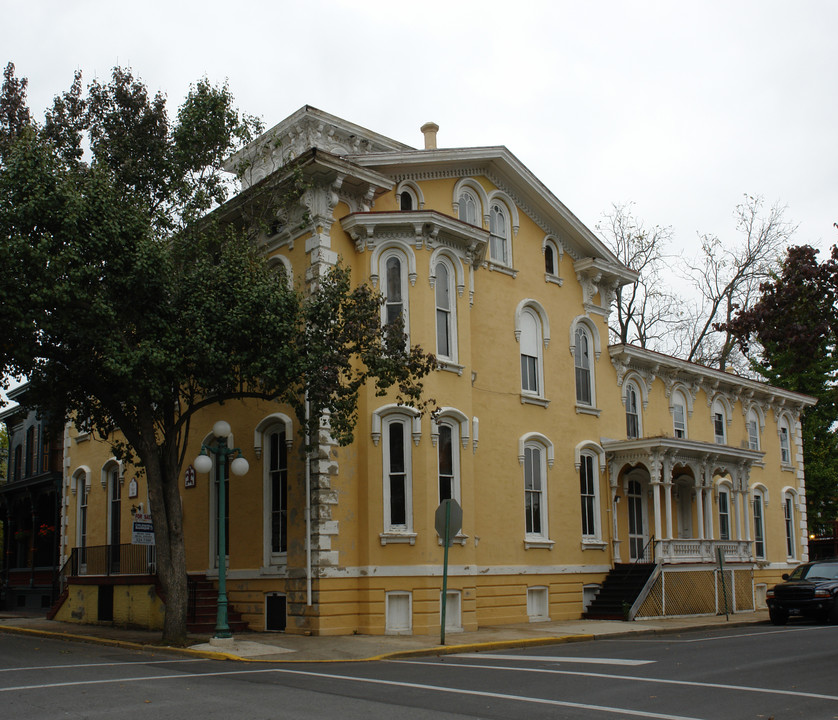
{"type": "Point", "coordinates": [203, 607]}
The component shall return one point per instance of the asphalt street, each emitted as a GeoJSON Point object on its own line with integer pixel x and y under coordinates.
{"type": "Point", "coordinates": [719, 674]}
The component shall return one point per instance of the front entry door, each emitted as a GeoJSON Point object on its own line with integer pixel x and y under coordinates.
{"type": "Point", "coordinates": [637, 537]}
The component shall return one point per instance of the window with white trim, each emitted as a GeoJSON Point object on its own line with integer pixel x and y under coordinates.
{"type": "Point", "coordinates": [719, 423]}
{"type": "Point", "coordinates": [753, 430]}
{"type": "Point", "coordinates": [398, 609]}
{"type": "Point", "coordinates": [81, 517]}
{"type": "Point", "coordinates": [724, 514]}
{"type": "Point", "coordinates": [394, 289]}
{"type": "Point", "coordinates": [589, 496]}
{"type": "Point", "coordinates": [448, 457]}
{"type": "Point", "coordinates": [788, 519]}
{"type": "Point", "coordinates": [406, 200]}
{"type": "Point", "coordinates": [446, 312]}
{"type": "Point", "coordinates": [583, 366]}
{"type": "Point", "coordinates": [679, 415]}
{"type": "Point", "coordinates": [632, 412]}
{"type": "Point", "coordinates": [398, 488]}
{"type": "Point", "coordinates": [531, 342]}
{"type": "Point", "coordinates": [535, 490]}
{"type": "Point", "coordinates": [499, 233]}
{"type": "Point", "coordinates": [785, 442]}
{"type": "Point", "coordinates": [538, 604]}
{"type": "Point", "coordinates": [276, 478]}
{"type": "Point", "coordinates": [469, 208]}
{"type": "Point", "coordinates": [550, 263]}
{"type": "Point", "coordinates": [759, 525]}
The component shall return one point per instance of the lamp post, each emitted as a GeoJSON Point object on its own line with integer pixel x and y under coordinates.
{"type": "Point", "coordinates": [239, 466]}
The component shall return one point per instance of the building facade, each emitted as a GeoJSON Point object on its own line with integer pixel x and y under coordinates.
{"type": "Point", "coordinates": [569, 457]}
{"type": "Point", "coordinates": [30, 508]}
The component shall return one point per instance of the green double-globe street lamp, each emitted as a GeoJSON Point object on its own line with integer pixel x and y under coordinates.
{"type": "Point", "coordinates": [203, 464]}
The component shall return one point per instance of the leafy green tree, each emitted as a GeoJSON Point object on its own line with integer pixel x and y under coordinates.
{"type": "Point", "coordinates": [790, 336]}
{"type": "Point", "coordinates": [129, 305]}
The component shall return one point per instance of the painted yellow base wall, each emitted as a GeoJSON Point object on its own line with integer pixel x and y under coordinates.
{"type": "Point", "coordinates": [133, 606]}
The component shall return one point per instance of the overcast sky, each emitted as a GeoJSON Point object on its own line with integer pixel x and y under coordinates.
{"type": "Point", "coordinates": [678, 107]}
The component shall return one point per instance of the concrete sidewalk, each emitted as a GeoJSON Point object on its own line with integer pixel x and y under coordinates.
{"type": "Point", "coordinates": [279, 647]}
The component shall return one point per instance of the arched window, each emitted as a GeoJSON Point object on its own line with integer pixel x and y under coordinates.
{"type": "Point", "coordinates": [535, 490]}
{"type": "Point", "coordinates": [81, 517]}
{"type": "Point", "coordinates": [632, 412]}
{"type": "Point", "coordinates": [589, 496]}
{"type": "Point", "coordinates": [719, 423]}
{"type": "Point", "coordinates": [448, 456]}
{"type": "Point", "coordinates": [679, 414]}
{"type": "Point", "coordinates": [275, 466]}
{"type": "Point", "coordinates": [531, 342]}
{"type": "Point", "coordinates": [759, 525]}
{"type": "Point", "coordinates": [583, 364]}
{"type": "Point", "coordinates": [398, 489]}
{"type": "Point", "coordinates": [499, 234]}
{"type": "Point", "coordinates": [469, 208]}
{"type": "Point", "coordinates": [752, 423]}
{"type": "Point", "coordinates": [549, 260]}
{"type": "Point", "coordinates": [30, 452]}
{"type": "Point", "coordinates": [114, 489]}
{"type": "Point", "coordinates": [406, 201]}
{"type": "Point", "coordinates": [446, 317]}
{"type": "Point", "coordinates": [394, 288]}
{"type": "Point", "coordinates": [785, 441]}
{"type": "Point", "coordinates": [789, 520]}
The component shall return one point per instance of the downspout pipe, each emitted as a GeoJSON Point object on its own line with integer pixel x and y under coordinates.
{"type": "Point", "coordinates": [308, 508]}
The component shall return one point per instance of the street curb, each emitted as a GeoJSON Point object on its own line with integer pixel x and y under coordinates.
{"type": "Point", "coordinates": [93, 640]}
{"type": "Point", "coordinates": [437, 650]}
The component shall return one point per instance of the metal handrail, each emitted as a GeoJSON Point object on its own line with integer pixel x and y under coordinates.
{"type": "Point", "coordinates": [126, 559]}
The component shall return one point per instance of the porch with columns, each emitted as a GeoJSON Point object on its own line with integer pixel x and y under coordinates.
{"type": "Point", "coordinates": [683, 479]}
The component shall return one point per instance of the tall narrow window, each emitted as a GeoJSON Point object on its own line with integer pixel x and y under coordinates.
{"type": "Point", "coordinates": [30, 452]}
{"type": "Point", "coordinates": [448, 452]}
{"type": "Point", "coordinates": [81, 533]}
{"type": "Point", "coordinates": [444, 324]}
{"type": "Point", "coordinates": [18, 460]}
{"type": "Point", "coordinates": [785, 445]}
{"type": "Point", "coordinates": [534, 488]}
{"type": "Point", "coordinates": [499, 234]}
{"type": "Point", "coordinates": [582, 361]}
{"type": "Point", "coordinates": [759, 526]}
{"type": "Point", "coordinates": [719, 423]}
{"type": "Point", "coordinates": [46, 449]}
{"type": "Point", "coordinates": [788, 517]}
{"type": "Point", "coordinates": [397, 479]}
{"type": "Point", "coordinates": [753, 430]}
{"type": "Point", "coordinates": [394, 300]}
{"type": "Point", "coordinates": [531, 342]}
{"type": "Point", "coordinates": [724, 515]}
{"type": "Point", "coordinates": [632, 413]}
{"type": "Point", "coordinates": [278, 480]}
{"type": "Point", "coordinates": [679, 415]}
{"type": "Point", "coordinates": [549, 260]}
{"type": "Point", "coordinates": [588, 495]}
{"type": "Point", "coordinates": [405, 201]}
{"type": "Point", "coordinates": [468, 208]}
{"type": "Point", "coordinates": [115, 517]}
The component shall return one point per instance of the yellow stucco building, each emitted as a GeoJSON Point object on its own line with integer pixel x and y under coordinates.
{"type": "Point", "coordinates": [571, 459]}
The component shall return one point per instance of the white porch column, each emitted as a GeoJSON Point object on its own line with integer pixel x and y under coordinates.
{"type": "Point", "coordinates": [656, 498]}
{"type": "Point", "coordinates": [667, 487]}
{"type": "Point", "coordinates": [613, 477]}
{"type": "Point", "coordinates": [708, 513]}
{"type": "Point", "coordinates": [699, 506]}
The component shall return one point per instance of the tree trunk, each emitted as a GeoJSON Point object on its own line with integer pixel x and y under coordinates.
{"type": "Point", "coordinates": [171, 552]}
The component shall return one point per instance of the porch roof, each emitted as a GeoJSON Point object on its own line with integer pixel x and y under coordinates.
{"type": "Point", "coordinates": [679, 451]}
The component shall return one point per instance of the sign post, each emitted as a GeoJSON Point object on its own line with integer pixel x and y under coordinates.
{"type": "Point", "coordinates": [448, 520]}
